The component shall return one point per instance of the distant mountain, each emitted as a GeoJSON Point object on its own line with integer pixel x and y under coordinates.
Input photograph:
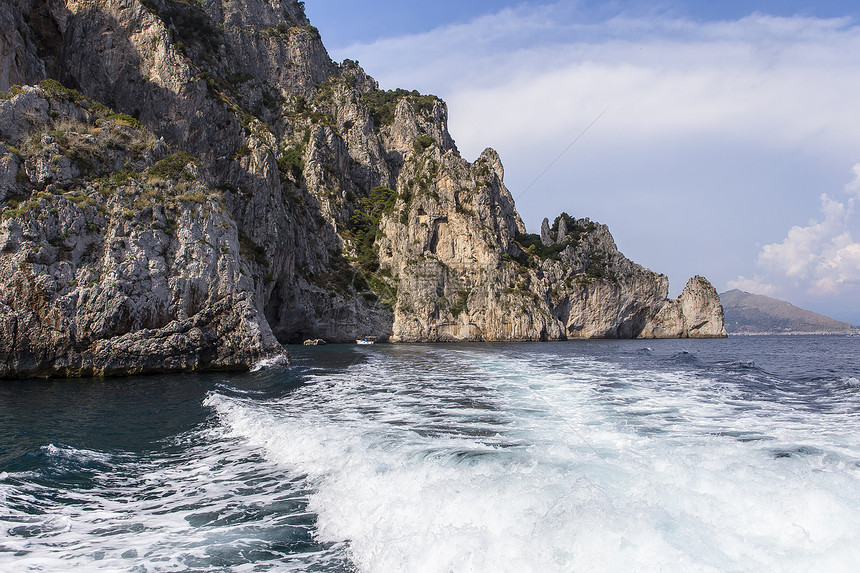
{"type": "Point", "coordinates": [754, 313]}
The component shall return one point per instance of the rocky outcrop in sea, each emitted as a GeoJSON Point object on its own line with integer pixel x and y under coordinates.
{"type": "Point", "coordinates": [193, 183]}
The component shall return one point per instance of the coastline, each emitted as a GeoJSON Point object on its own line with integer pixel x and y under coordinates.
{"type": "Point", "coordinates": [831, 333]}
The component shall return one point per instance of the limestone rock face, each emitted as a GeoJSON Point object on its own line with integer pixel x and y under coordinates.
{"type": "Point", "coordinates": [117, 263]}
{"type": "Point", "coordinates": [19, 58]}
{"type": "Point", "coordinates": [562, 230]}
{"type": "Point", "coordinates": [299, 194]}
{"type": "Point", "coordinates": [545, 237]}
{"type": "Point", "coordinates": [696, 313]}
{"type": "Point", "coordinates": [466, 269]}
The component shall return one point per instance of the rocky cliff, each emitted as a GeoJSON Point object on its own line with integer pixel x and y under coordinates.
{"type": "Point", "coordinates": [696, 313]}
{"type": "Point", "coordinates": [114, 257]}
{"type": "Point", "coordinates": [331, 209]}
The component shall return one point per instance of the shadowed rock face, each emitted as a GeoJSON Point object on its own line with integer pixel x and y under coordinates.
{"type": "Point", "coordinates": [303, 199]}
{"type": "Point", "coordinates": [119, 260]}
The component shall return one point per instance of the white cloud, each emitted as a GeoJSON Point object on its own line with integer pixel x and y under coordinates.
{"type": "Point", "coordinates": [854, 186]}
{"type": "Point", "coordinates": [841, 270]}
{"type": "Point", "coordinates": [820, 258]}
{"type": "Point", "coordinates": [807, 250]}
{"type": "Point", "coordinates": [754, 285]}
{"type": "Point", "coordinates": [816, 265]}
{"type": "Point", "coordinates": [537, 72]}
{"type": "Point", "coordinates": [715, 135]}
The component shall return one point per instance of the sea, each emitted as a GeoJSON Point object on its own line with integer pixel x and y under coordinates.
{"type": "Point", "coordinates": [741, 454]}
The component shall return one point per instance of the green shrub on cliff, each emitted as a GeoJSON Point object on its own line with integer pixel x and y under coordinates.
{"type": "Point", "coordinates": [383, 103]}
{"type": "Point", "coordinates": [173, 167]}
{"type": "Point", "coordinates": [11, 92]}
{"type": "Point", "coordinates": [364, 225]}
{"type": "Point", "coordinates": [532, 244]}
{"type": "Point", "coordinates": [364, 230]}
{"type": "Point", "coordinates": [460, 303]}
{"type": "Point", "coordinates": [422, 143]}
{"type": "Point", "coordinates": [53, 88]}
{"type": "Point", "coordinates": [125, 120]}
{"type": "Point", "coordinates": [569, 222]}
{"type": "Point", "coordinates": [291, 162]}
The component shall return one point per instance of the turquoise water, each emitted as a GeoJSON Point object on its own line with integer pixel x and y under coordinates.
{"type": "Point", "coordinates": [713, 455]}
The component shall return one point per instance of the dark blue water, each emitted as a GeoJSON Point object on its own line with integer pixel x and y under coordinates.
{"type": "Point", "coordinates": [712, 455]}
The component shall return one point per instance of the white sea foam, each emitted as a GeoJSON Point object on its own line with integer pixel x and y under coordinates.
{"type": "Point", "coordinates": [474, 462]}
{"type": "Point", "coordinates": [274, 362]}
{"type": "Point", "coordinates": [279, 361]}
{"type": "Point", "coordinates": [434, 459]}
{"type": "Point", "coordinates": [205, 510]}
{"type": "Point", "coordinates": [75, 454]}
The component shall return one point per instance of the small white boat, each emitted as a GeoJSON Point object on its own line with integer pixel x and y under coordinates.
{"type": "Point", "coordinates": [367, 340]}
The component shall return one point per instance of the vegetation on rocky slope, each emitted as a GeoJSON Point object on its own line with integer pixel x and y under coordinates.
{"type": "Point", "coordinates": [114, 257]}
{"type": "Point", "coordinates": [348, 208]}
{"type": "Point", "coordinates": [364, 230]}
{"type": "Point", "coordinates": [383, 103]}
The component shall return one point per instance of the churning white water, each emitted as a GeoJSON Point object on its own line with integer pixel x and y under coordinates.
{"type": "Point", "coordinates": [605, 456]}
{"type": "Point", "coordinates": [438, 459]}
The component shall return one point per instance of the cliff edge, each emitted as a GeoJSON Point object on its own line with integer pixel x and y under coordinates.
{"type": "Point", "coordinates": [298, 201]}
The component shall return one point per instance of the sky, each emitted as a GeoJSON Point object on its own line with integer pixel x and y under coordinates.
{"type": "Point", "coordinates": [713, 138]}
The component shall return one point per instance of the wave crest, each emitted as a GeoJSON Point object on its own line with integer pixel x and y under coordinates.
{"type": "Point", "coordinates": [273, 362]}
